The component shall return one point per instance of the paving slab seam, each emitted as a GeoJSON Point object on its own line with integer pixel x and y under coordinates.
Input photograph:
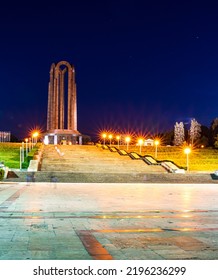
{"type": "Point", "coordinates": [144, 230]}
{"type": "Point", "coordinates": [14, 216]}
{"type": "Point", "coordinates": [118, 213]}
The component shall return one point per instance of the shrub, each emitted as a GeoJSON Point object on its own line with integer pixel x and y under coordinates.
{"type": "Point", "coordinates": [2, 172]}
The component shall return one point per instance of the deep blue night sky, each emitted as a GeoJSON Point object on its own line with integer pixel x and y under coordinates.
{"type": "Point", "coordinates": [140, 65]}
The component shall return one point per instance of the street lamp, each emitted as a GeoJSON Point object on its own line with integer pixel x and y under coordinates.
{"type": "Point", "coordinates": [20, 158]}
{"type": "Point", "coordinates": [156, 143]}
{"type": "Point", "coordinates": [127, 139]}
{"type": "Point", "coordinates": [30, 143]}
{"type": "Point", "coordinates": [104, 135]}
{"type": "Point", "coordinates": [22, 151]}
{"type": "Point", "coordinates": [35, 135]}
{"type": "Point", "coordinates": [140, 142]}
{"type": "Point", "coordinates": [110, 137]}
{"type": "Point", "coordinates": [187, 151]}
{"type": "Point", "coordinates": [26, 140]}
{"type": "Point", "coordinates": [118, 141]}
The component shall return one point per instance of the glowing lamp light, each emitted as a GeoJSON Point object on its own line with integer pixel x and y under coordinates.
{"type": "Point", "coordinates": [127, 139]}
{"type": "Point", "coordinates": [156, 143]}
{"type": "Point", "coordinates": [104, 135]}
{"type": "Point", "coordinates": [187, 151]}
{"type": "Point", "coordinates": [35, 135]}
{"type": "Point", "coordinates": [118, 140]}
{"type": "Point", "coordinates": [140, 142]}
{"type": "Point", "coordinates": [110, 137]}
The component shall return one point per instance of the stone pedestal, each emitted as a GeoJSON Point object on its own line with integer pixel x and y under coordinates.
{"type": "Point", "coordinates": [62, 136]}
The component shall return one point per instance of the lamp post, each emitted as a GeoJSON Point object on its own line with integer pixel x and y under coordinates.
{"type": "Point", "coordinates": [26, 140]}
{"type": "Point", "coordinates": [140, 142]}
{"type": "Point", "coordinates": [35, 135]}
{"type": "Point", "coordinates": [187, 151]}
{"type": "Point", "coordinates": [118, 141]}
{"type": "Point", "coordinates": [156, 143]}
{"type": "Point", "coordinates": [30, 143]}
{"type": "Point", "coordinates": [104, 135]}
{"type": "Point", "coordinates": [20, 158]}
{"type": "Point", "coordinates": [127, 142]}
{"type": "Point", "coordinates": [110, 137]}
{"type": "Point", "coordinates": [22, 152]}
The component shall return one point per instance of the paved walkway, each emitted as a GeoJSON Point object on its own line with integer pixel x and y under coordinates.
{"type": "Point", "coordinates": [108, 221]}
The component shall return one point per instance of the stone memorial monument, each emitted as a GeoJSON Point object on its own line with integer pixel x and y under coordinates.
{"type": "Point", "coordinates": [62, 106]}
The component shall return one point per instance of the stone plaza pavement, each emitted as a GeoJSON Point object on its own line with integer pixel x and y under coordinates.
{"type": "Point", "coordinates": [104, 221]}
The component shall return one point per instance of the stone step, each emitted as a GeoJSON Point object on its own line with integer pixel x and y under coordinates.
{"type": "Point", "coordinates": [71, 177]}
{"type": "Point", "coordinates": [91, 159]}
{"type": "Point", "coordinates": [108, 170]}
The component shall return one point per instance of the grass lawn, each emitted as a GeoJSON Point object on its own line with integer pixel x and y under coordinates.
{"type": "Point", "coordinates": [205, 159]}
{"type": "Point", "coordinates": [10, 155]}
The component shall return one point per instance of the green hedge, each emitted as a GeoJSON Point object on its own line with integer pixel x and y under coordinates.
{"type": "Point", "coordinates": [30, 156]}
{"type": "Point", "coordinates": [2, 172]}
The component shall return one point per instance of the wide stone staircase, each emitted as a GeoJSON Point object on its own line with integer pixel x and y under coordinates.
{"type": "Point", "coordinates": [92, 164]}
{"type": "Point", "coordinates": [91, 159]}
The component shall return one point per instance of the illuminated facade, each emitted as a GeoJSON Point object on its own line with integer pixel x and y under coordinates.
{"type": "Point", "coordinates": [5, 136]}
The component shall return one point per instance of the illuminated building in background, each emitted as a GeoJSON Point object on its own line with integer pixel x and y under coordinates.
{"type": "Point", "coordinates": [5, 136]}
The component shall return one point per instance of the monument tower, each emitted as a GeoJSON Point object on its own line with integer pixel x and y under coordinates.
{"type": "Point", "coordinates": [62, 105]}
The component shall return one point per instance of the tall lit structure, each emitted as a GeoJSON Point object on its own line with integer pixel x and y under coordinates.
{"type": "Point", "coordinates": [62, 105]}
